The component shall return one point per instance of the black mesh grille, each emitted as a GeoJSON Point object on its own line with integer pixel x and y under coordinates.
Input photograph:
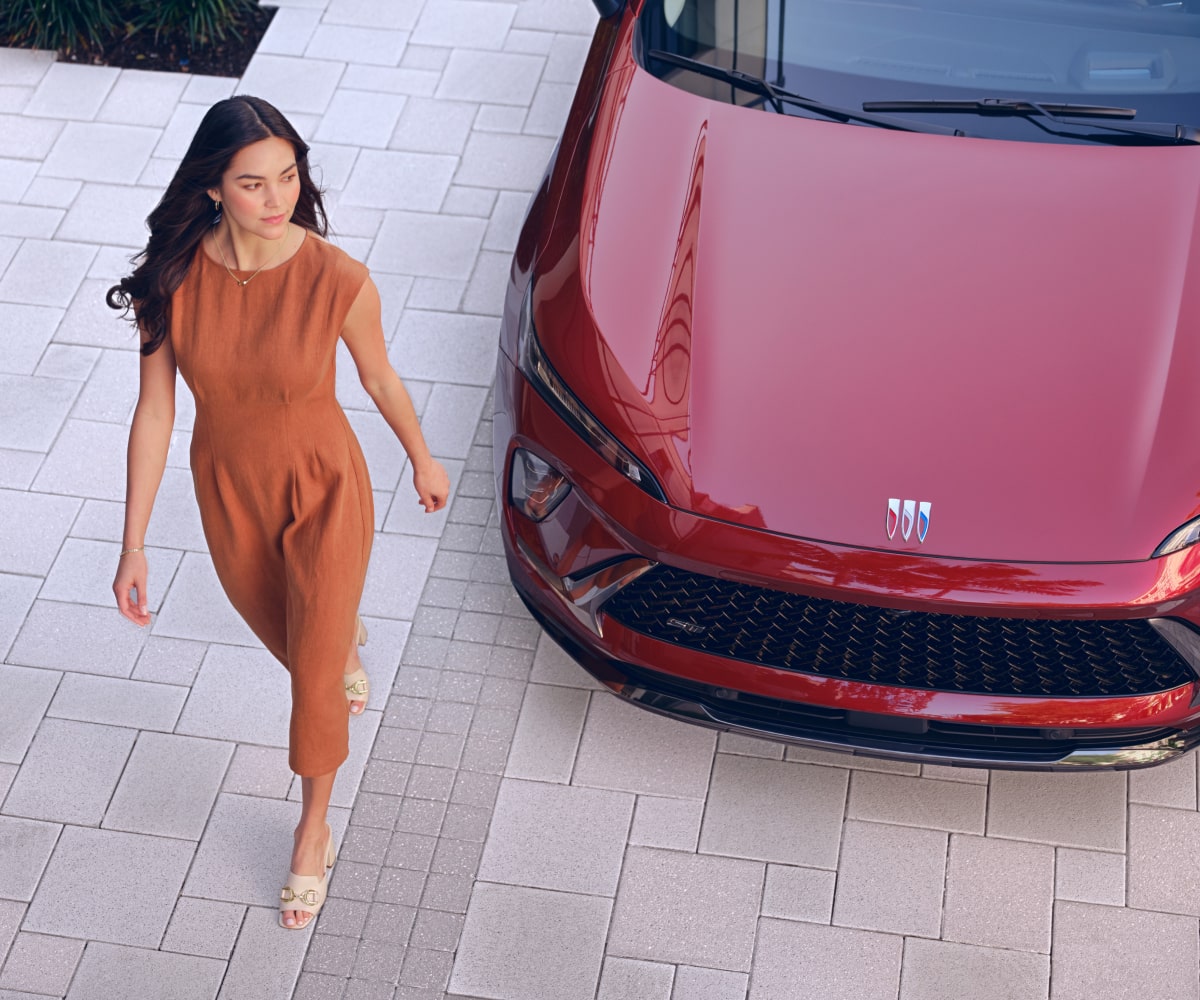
{"type": "Point", "coordinates": [941, 652]}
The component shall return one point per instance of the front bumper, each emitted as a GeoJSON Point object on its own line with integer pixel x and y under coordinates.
{"type": "Point", "coordinates": [608, 531]}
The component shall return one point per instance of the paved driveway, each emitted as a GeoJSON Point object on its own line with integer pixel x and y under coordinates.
{"type": "Point", "coordinates": [508, 830]}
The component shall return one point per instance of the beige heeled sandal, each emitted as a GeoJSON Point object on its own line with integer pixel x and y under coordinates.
{"type": "Point", "coordinates": [306, 893]}
{"type": "Point", "coordinates": [358, 685]}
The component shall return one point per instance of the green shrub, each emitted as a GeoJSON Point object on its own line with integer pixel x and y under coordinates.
{"type": "Point", "coordinates": [203, 21]}
{"type": "Point", "coordinates": [66, 25]}
{"type": "Point", "coordinates": [60, 24]}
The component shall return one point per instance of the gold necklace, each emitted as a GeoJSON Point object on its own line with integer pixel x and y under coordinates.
{"type": "Point", "coordinates": [242, 283]}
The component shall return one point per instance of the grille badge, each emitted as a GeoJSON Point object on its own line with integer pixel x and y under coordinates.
{"type": "Point", "coordinates": [904, 515]}
{"type": "Point", "coordinates": [690, 627]}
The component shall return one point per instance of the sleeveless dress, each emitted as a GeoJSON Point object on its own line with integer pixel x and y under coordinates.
{"type": "Point", "coordinates": [280, 479]}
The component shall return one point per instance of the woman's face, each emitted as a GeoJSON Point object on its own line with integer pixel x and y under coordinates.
{"type": "Point", "coordinates": [259, 190]}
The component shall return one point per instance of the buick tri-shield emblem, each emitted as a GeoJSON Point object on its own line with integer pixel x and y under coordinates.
{"type": "Point", "coordinates": [904, 515]}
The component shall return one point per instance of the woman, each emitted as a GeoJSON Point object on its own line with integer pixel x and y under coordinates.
{"type": "Point", "coordinates": [237, 286]}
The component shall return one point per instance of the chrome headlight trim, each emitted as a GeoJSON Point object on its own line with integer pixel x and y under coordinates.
{"type": "Point", "coordinates": [534, 365]}
{"type": "Point", "coordinates": [1183, 536]}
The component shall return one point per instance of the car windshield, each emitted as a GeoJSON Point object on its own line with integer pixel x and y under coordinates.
{"type": "Point", "coordinates": [1120, 53]}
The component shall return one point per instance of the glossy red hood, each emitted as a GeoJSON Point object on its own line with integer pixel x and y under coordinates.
{"type": "Point", "coordinates": [811, 318]}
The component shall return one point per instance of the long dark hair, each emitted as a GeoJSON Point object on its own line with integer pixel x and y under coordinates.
{"type": "Point", "coordinates": [186, 212]}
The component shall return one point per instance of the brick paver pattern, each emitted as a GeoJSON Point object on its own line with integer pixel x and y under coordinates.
{"type": "Point", "coordinates": [508, 828]}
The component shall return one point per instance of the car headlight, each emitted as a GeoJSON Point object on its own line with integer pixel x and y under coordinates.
{"type": "Point", "coordinates": [534, 365]}
{"type": "Point", "coordinates": [1180, 538]}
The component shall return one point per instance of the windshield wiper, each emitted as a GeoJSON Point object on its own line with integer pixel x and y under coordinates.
{"type": "Point", "coordinates": [778, 97]}
{"type": "Point", "coordinates": [1060, 113]}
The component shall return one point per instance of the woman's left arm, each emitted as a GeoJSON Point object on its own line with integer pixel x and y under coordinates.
{"type": "Point", "coordinates": [363, 334]}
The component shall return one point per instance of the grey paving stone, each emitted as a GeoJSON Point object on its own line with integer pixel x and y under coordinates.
{"type": "Point", "coordinates": [623, 978]}
{"type": "Point", "coordinates": [378, 962]}
{"type": "Point", "coordinates": [433, 126]}
{"type": "Point", "coordinates": [244, 853]}
{"type": "Point", "coordinates": [833, 963]}
{"type": "Point", "coordinates": [317, 986]}
{"type": "Point", "coordinates": [691, 909]}
{"type": "Point", "coordinates": [394, 179]}
{"type": "Point", "coordinates": [1089, 876]}
{"type": "Point", "coordinates": [426, 245]}
{"type": "Point", "coordinates": [748, 746]}
{"type": "Point", "coordinates": [259, 771]}
{"type": "Point", "coordinates": [1172, 784]}
{"type": "Point", "coordinates": [890, 879]}
{"type": "Point", "coordinates": [169, 661]}
{"type": "Point", "coordinates": [51, 192]}
{"type": "Point", "coordinates": [90, 323]}
{"type": "Point", "coordinates": [361, 119]}
{"type": "Point", "coordinates": [45, 273]}
{"type": "Point", "coordinates": [71, 91]}
{"type": "Point", "coordinates": [140, 97]}
{"type": "Point", "coordinates": [292, 84]}
{"type": "Point", "coordinates": [669, 823]}
{"type": "Point", "coordinates": [373, 46]}
{"type": "Point", "coordinates": [69, 772]}
{"type": "Point", "coordinates": [1071, 810]}
{"type": "Point", "coordinates": [627, 749]}
{"type": "Point", "coordinates": [547, 736]}
{"type": "Point", "coordinates": [855, 762]}
{"type": "Point", "coordinates": [67, 361]}
{"type": "Point", "coordinates": [117, 702]}
{"type": "Point", "coordinates": [32, 528]}
{"type": "Point", "coordinates": [265, 963]}
{"type": "Point", "coordinates": [493, 77]}
{"type": "Point", "coordinates": [29, 221]}
{"type": "Point", "coordinates": [508, 162]}
{"type": "Point", "coordinates": [110, 213]}
{"type": "Point", "coordinates": [1164, 851]}
{"type": "Point", "coordinates": [137, 878]}
{"type": "Point", "coordinates": [25, 847]}
{"type": "Point", "coordinates": [565, 59]}
{"type": "Point", "coordinates": [33, 409]}
{"type": "Point", "coordinates": [448, 416]}
{"type": "Point", "coordinates": [999, 893]}
{"type": "Point", "coordinates": [939, 970]}
{"type": "Point", "coordinates": [169, 785]}
{"type": "Point", "coordinates": [96, 151]}
{"type": "Point", "coordinates": [196, 608]}
{"type": "Point", "coordinates": [465, 24]}
{"type": "Point", "coordinates": [774, 811]}
{"type": "Point", "coordinates": [26, 137]}
{"type": "Point", "coordinates": [437, 930]}
{"type": "Point", "coordinates": [530, 944]}
{"type": "Point", "coordinates": [426, 969]}
{"type": "Point", "coordinates": [505, 222]}
{"type": "Point", "coordinates": [77, 637]}
{"type": "Point", "coordinates": [333, 956]}
{"type": "Point", "coordinates": [24, 66]}
{"type": "Point", "coordinates": [112, 972]}
{"type": "Point", "coordinates": [556, 15]}
{"type": "Point", "coordinates": [218, 708]}
{"type": "Point", "coordinates": [28, 330]}
{"type": "Point", "coordinates": [39, 963]}
{"type": "Point", "coordinates": [7, 773]}
{"type": "Point", "coordinates": [887, 798]}
{"type": "Point", "coordinates": [395, 595]}
{"type": "Point", "coordinates": [451, 893]}
{"type": "Point", "coordinates": [17, 468]}
{"type": "Point", "coordinates": [799, 894]}
{"type": "Point", "coordinates": [1117, 953]}
{"type": "Point", "coordinates": [204, 927]}
{"type": "Point", "coordinates": [86, 461]}
{"type": "Point", "coordinates": [11, 914]}
{"type": "Point", "coordinates": [551, 665]}
{"type": "Point", "coordinates": [557, 837]}
{"type": "Point", "coordinates": [400, 885]}
{"type": "Point", "coordinates": [290, 31]}
{"type": "Point", "coordinates": [548, 112]}
{"type": "Point", "coordinates": [27, 694]}
{"type": "Point", "coordinates": [692, 983]}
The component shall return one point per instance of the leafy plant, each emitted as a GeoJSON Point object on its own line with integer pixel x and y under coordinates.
{"type": "Point", "coordinates": [203, 21]}
{"type": "Point", "coordinates": [60, 24]}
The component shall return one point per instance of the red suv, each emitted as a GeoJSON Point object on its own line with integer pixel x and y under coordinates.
{"type": "Point", "coordinates": [848, 383]}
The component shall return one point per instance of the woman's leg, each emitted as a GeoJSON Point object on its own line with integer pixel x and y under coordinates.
{"type": "Point", "coordinates": [308, 856]}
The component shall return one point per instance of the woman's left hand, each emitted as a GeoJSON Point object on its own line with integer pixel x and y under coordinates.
{"type": "Point", "coordinates": [432, 485]}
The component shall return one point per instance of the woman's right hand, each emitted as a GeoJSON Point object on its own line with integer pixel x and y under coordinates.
{"type": "Point", "coordinates": [130, 588]}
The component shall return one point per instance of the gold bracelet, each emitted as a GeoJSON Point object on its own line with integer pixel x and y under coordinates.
{"type": "Point", "coordinates": [125, 552]}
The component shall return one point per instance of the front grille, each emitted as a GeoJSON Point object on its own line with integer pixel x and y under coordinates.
{"type": "Point", "coordinates": [939, 652]}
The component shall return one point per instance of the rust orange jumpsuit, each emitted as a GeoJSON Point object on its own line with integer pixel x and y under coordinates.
{"type": "Point", "coordinates": [282, 486]}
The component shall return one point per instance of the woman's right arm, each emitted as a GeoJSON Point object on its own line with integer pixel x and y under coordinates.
{"type": "Point", "coordinates": [149, 440]}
